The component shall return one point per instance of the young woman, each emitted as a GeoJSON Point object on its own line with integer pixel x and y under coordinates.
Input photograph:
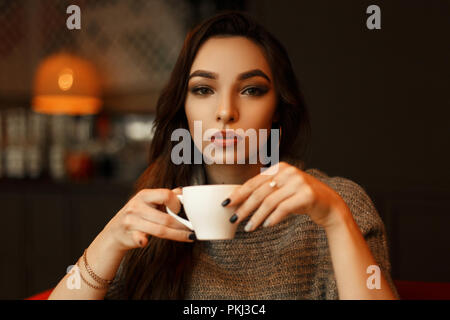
{"type": "Point", "coordinates": [301, 234]}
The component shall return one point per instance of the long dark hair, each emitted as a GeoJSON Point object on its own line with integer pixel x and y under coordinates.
{"type": "Point", "coordinates": [161, 269]}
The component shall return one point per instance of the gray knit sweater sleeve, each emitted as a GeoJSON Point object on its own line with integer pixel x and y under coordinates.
{"type": "Point", "coordinates": [368, 221]}
{"type": "Point", "coordinates": [116, 290]}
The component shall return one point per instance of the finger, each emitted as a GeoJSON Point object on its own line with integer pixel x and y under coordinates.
{"type": "Point", "coordinates": [268, 205]}
{"type": "Point", "coordinates": [286, 178]}
{"type": "Point", "coordinates": [139, 238]}
{"type": "Point", "coordinates": [136, 223]}
{"type": "Point", "coordinates": [156, 216]}
{"type": "Point", "coordinates": [298, 203]}
{"type": "Point", "coordinates": [162, 197]}
{"type": "Point", "coordinates": [252, 202]}
{"type": "Point", "coordinates": [177, 191]}
{"type": "Point", "coordinates": [273, 170]}
{"type": "Point", "coordinates": [241, 193]}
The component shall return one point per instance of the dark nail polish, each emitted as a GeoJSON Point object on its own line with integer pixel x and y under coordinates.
{"type": "Point", "coordinates": [226, 202]}
{"type": "Point", "coordinates": [192, 236]}
{"type": "Point", "coordinates": [233, 218]}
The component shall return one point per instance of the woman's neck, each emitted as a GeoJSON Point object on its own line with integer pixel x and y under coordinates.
{"type": "Point", "coordinates": [230, 173]}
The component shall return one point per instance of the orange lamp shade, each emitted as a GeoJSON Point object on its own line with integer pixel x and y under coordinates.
{"type": "Point", "coordinates": [66, 84]}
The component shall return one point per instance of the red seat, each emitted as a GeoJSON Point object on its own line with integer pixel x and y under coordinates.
{"type": "Point", "coordinates": [416, 290]}
{"type": "Point", "coordinates": [41, 296]}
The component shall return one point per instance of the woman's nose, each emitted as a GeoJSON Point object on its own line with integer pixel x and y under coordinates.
{"type": "Point", "coordinates": [227, 113]}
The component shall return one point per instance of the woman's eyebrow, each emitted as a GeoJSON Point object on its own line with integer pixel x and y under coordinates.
{"type": "Point", "coordinates": [253, 73]}
{"type": "Point", "coordinates": [204, 74]}
{"type": "Point", "coordinates": [241, 76]}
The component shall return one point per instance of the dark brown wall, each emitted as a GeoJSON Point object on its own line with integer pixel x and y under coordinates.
{"type": "Point", "coordinates": [378, 99]}
{"type": "Point", "coordinates": [380, 105]}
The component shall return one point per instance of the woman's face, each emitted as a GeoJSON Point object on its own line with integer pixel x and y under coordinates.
{"type": "Point", "coordinates": [230, 87]}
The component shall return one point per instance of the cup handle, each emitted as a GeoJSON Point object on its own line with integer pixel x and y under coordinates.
{"type": "Point", "coordinates": [187, 223]}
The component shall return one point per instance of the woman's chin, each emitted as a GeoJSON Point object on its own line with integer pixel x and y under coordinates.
{"type": "Point", "coordinates": [226, 156]}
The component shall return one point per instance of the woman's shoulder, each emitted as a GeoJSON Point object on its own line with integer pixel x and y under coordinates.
{"type": "Point", "coordinates": [337, 182]}
{"type": "Point", "coordinates": [347, 188]}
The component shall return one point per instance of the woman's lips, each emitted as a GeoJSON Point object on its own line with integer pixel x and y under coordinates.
{"type": "Point", "coordinates": [224, 142]}
{"type": "Point", "coordinates": [225, 138]}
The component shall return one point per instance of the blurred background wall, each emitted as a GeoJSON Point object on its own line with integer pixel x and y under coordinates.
{"type": "Point", "coordinates": [378, 101]}
{"type": "Point", "coordinates": [380, 112]}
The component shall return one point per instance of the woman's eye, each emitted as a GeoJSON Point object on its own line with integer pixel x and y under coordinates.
{"type": "Point", "coordinates": [201, 91]}
{"type": "Point", "coordinates": [255, 91]}
{"type": "Point", "coordinates": [250, 91]}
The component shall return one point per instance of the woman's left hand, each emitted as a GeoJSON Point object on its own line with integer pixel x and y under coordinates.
{"type": "Point", "coordinates": [288, 190]}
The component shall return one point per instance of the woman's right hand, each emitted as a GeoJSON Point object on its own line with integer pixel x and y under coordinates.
{"type": "Point", "coordinates": [142, 216]}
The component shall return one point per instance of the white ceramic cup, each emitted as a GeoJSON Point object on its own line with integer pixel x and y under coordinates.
{"type": "Point", "coordinates": [203, 207]}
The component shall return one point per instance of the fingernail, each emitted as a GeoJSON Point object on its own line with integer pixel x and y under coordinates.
{"type": "Point", "coordinates": [266, 223]}
{"type": "Point", "coordinates": [233, 218]}
{"type": "Point", "coordinates": [248, 226]}
{"type": "Point", "coordinates": [226, 202]}
{"type": "Point", "coordinates": [192, 236]}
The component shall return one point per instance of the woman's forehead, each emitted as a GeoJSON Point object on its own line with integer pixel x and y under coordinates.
{"type": "Point", "coordinates": [230, 56]}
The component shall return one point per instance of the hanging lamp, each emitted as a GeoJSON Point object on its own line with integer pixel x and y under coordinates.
{"type": "Point", "coordinates": [66, 84]}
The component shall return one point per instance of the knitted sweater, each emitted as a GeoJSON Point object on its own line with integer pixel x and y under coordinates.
{"type": "Point", "coordinates": [289, 260]}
